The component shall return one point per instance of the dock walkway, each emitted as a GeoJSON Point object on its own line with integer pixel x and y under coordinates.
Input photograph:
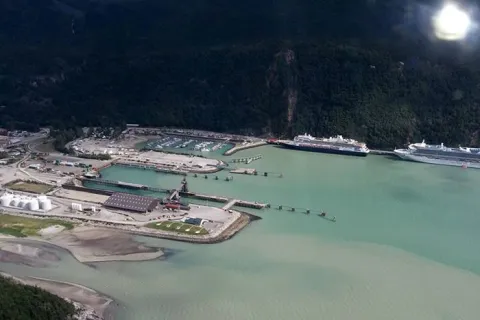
{"type": "Point", "coordinates": [230, 204]}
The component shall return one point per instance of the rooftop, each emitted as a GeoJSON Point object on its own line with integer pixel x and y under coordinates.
{"type": "Point", "coordinates": [131, 202]}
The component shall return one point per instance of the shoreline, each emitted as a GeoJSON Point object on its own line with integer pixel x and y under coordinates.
{"type": "Point", "coordinates": [229, 232]}
{"type": "Point", "coordinates": [89, 303]}
{"type": "Point", "coordinates": [86, 244]}
{"type": "Point", "coordinates": [95, 226]}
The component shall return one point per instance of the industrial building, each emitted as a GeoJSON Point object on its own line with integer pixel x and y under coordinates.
{"type": "Point", "coordinates": [40, 203]}
{"type": "Point", "coordinates": [131, 202]}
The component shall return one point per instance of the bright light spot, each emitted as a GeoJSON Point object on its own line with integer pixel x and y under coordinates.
{"type": "Point", "coordinates": [451, 23]}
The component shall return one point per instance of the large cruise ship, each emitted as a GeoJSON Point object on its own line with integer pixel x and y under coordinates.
{"type": "Point", "coordinates": [439, 154]}
{"type": "Point", "coordinates": [337, 145]}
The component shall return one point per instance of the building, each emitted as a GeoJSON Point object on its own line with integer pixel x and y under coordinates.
{"type": "Point", "coordinates": [131, 202]}
{"type": "Point", "coordinates": [194, 221]}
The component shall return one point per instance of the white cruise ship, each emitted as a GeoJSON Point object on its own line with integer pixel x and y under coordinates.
{"type": "Point", "coordinates": [440, 154]}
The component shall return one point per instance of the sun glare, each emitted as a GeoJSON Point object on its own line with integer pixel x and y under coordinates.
{"type": "Point", "coordinates": [451, 23]}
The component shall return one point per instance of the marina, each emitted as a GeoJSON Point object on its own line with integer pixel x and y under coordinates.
{"type": "Point", "coordinates": [185, 144]}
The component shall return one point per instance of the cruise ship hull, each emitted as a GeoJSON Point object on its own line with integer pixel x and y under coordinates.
{"type": "Point", "coordinates": [322, 150]}
{"type": "Point", "coordinates": [436, 161]}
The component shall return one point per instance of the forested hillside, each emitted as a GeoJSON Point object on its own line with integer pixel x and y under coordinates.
{"type": "Point", "coordinates": [21, 302]}
{"type": "Point", "coordinates": [274, 70]}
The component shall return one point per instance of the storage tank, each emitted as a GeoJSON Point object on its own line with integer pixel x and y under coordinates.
{"type": "Point", "coordinates": [22, 203]}
{"type": "Point", "coordinates": [76, 206]}
{"type": "Point", "coordinates": [33, 205]}
{"type": "Point", "coordinates": [15, 201]}
{"type": "Point", "coordinates": [6, 199]}
{"type": "Point", "coordinates": [45, 204]}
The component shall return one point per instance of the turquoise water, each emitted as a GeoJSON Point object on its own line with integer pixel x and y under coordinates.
{"type": "Point", "coordinates": [404, 246]}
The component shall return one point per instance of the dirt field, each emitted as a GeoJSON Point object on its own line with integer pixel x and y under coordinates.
{"type": "Point", "coordinates": [81, 196]}
{"type": "Point", "coordinates": [30, 187]}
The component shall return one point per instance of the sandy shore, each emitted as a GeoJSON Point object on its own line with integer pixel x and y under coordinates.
{"type": "Point", "coordinates": [89, 303]}
{"type": "Point", "coordinates": [86, 244]}
{"type": "Point", "coordinates": [32, 254]}
{"type": "Point", "coordinates": [92, 244]}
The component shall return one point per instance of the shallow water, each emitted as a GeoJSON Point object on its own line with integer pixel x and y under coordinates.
{"type": "Point", "coordinates": [404, 246]}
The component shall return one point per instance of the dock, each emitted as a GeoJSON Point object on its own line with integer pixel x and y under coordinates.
{"type": "Point", "coordinates": [250, 171]}
{"type": "Point", "coordinates": [245, 204]}
{"type": "Point", "coordinates": [320, 214]}
{"type": "Point", "coordinates": [247, 160]}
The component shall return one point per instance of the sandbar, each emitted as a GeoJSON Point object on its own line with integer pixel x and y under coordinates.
{"type": "Point", "coordinates": [86, 244]}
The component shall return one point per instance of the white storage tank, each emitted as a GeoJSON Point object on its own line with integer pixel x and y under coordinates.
{"type": "Point", "coordinates": [15, 201]}
{"type": "Point", "coordinates": [76, 206]}
{"type": "Point", "coordinates": [6, 199]}
{"type": "Point", "coordinates": [23, 203]}
{"type": "Point", "coordinates": [45, 204]}
{"type": "Point", "coordinates": [33, 205]}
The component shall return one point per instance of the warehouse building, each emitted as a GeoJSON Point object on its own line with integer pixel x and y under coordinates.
{"type": "Point", "coordinates": [131, 202]}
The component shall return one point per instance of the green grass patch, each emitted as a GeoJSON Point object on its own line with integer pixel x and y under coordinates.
{"type": "Point", "coordinates": [12, 232]}
{"type": "Point", "coordinates": [23, 226]}
{"type": "Point", "coordinates": [32, 187]}
{"type": "Point", "coordinates": [178, 227]}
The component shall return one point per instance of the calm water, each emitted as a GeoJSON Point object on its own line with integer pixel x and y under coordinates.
{"type": "Point", "coordinates": [405, 246]}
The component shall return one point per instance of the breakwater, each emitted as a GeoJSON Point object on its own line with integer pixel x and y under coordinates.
{"type": "Point", "coordinates": [244, 147]}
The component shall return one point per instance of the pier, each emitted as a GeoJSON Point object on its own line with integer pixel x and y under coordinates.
{"type": "Point", "coordinates": [246, 160]}
{"type": "Point", "coordinates": [230, 204]}
{"type": "Point", "coordinates": [254, 172]}
{"type": "Point", "coordinates": [321, 214]}
{"type": "Point", "coordinates": [245, 204]}
{"type": "Point", "coordinates": [249, 171]}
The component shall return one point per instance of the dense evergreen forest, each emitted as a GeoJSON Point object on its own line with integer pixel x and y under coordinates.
{"type": "Point", "coordinates": [21, 302]}
{"type": "Point", "coordinates": [276, 68]}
